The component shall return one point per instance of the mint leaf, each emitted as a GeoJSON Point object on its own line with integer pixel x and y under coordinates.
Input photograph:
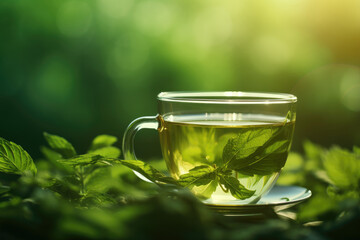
{"type": "Point", "coordinates": [14, 159]}
{"type": "Point", "coordinates": [148, 171]}
{"type": "Point", "coordinates": [50, 154]}
{"type": "Point", "coordinates": [220, 145]}
{"type": "Point", "coordinates": [258, 151]}
{"type": "Point", "coordinates": [270, 159]}
{"type": "Point", "coordinates": [269, 164]}
{"type": "Point", "coordinates": [237, 190]}
{"type": "Point", "coordinates": [66, 187]}
{"type": "Point", "coordinates": [277, 147]}
{"type": "Point", "coordinates": [84, 159]}
{"type": "Point", "coordinates": [205, 191]}
{"type": "Point", "coordinates": [342, 167]}
{"type": "Point", "coordinates": [200, 175]}
{"type": "Point", "coordinates": [102, 141]}
{"type": "Point", "coordinates": [314, 154]}
{"type": "Point", "coordinates": [60, 145]}
{"type": "Point", "coordinates": [109, 152]}
{"type": "Point", "coordinates": [238, 149]}
{"type": "Point", "coordinates": [102, 145]}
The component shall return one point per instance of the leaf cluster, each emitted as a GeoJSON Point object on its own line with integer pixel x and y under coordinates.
{"type": "Point", "coordinates": [92, 179]}
{"type": "Point", "coordinates": [99, 198]}
{"type": "Point", "coordinates": [332, 174]}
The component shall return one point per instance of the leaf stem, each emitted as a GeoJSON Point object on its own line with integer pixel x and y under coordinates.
{"type": "Point", "coordinates": [82, 180]}
{"type": "Point", "coordinates": [222, 187]}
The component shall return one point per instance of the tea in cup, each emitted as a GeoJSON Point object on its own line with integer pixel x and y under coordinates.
{"type": "Point", "coordinates": [224, 146]}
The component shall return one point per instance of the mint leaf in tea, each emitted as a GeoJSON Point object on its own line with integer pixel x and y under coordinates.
{"type": "Point", "coordinates": [225, 156]}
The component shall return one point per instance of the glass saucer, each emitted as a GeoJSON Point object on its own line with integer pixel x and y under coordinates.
{"type": "Point", "coordinates": [279, 198]}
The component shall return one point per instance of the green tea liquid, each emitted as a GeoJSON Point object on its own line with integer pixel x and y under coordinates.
{"type": "Point", "coordinates": [188, 141]}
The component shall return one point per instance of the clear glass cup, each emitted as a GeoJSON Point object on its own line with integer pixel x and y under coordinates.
{"type": "Point", "coordinates": [226, 147]}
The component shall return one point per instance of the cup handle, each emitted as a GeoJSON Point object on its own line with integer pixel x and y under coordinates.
{"type": "Point", "coordinates": [148, 122]}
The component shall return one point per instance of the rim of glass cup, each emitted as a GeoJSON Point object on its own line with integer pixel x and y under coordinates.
{"type": "Point", "coordinates": [227, 97]}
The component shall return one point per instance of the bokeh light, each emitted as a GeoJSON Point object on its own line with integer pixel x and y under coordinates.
{"type": "Point", "coordinates": [74, 18]}
{"type": "Point", "coordinates": [350, 89]}
{"type": "Point", "coordinates": [80, 68]}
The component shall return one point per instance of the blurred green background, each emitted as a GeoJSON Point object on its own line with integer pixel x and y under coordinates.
{"type": "Point", "coordinates": [79, 68]}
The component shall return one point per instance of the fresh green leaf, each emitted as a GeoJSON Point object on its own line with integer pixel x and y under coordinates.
{"type": "Point", "coordinates": [205, 191]}
{"type": "Point", "coordinates": [220, 145]}
{"type": "Point", "coordinates": [148, 171]}
{"type": "Point", "coordinates": [108, 152]}
{"type": "Point", "coordinates": [271, 159]}
{"type": "Point", "coordinates": [67, 188]}
{"type": "Point", "coordinates": [116, 179]}
{"type": "Point", "coordinates": [338, 194]}
{"type": "Point", "coordinates": [237, 190]}
{"type": "Point", "coordinates": [239, 148]}
{"type": "Point", "coordinates": [60, 145]}
{"type": "Point", "coordinates": [84, 159]}
{"type": "Point", "coordinates": [277, 147]}
{"type": "Point", "coordinates": [314, 154]}
{"type": "Point", "coordinates": [269, 164]}
{"type": "Point", "coordinates": [102, 141]}
{"type": "Point", "coordinates": [14, 159]}
{"type": "Point", "coordinates": [200, 175]}
{"type": "Point", "coordinates": [342, 167]}
{"type": "Point", "coordinates": [97, 199]}
{"type": "Point", "coordinates": [50, 154]}
{"type": "Point", "coordinates": [98, 180]}
{"type": "Point", "coordinates": [316, 206]}
{"type": "Point", "coordinates": [260, 151]}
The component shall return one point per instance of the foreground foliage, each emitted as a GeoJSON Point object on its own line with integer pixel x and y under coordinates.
{"type": "Point", "coordinates": [95, 195]}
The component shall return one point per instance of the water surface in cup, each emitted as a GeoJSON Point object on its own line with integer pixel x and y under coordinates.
{"type": "Point", "coordinates": [226, 156]}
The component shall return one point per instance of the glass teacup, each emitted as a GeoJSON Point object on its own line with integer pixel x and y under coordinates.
{"type": "Point", "coordinates": [224, 146]}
